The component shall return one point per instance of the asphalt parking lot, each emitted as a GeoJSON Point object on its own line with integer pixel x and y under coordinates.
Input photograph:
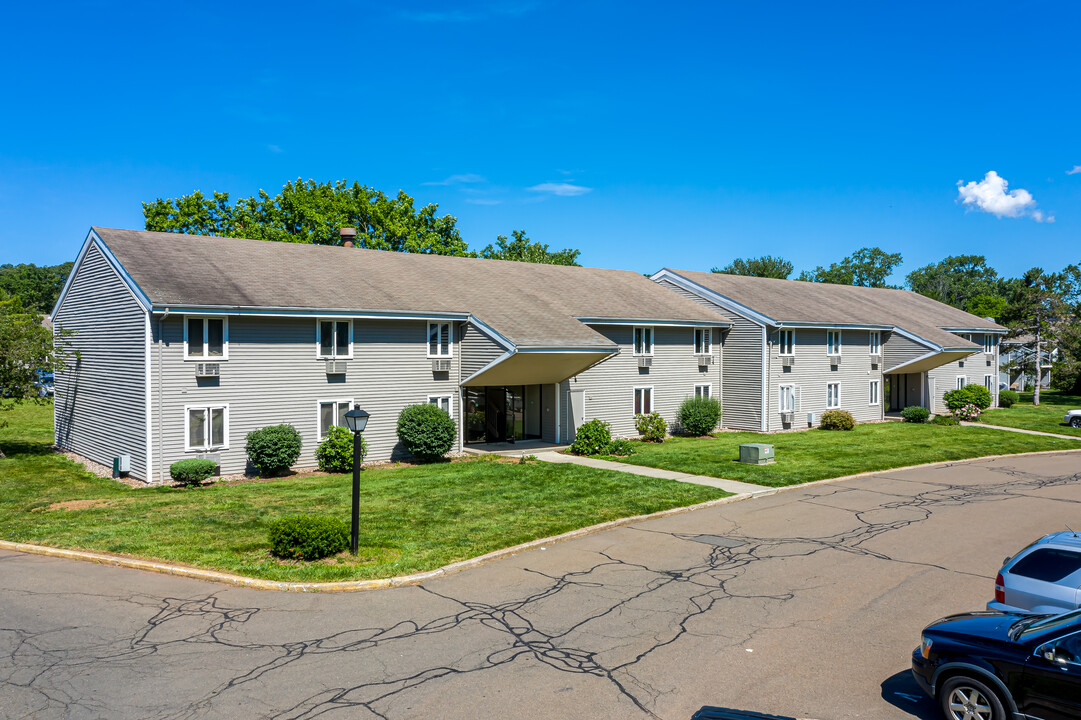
{"type": "Point", "coordinates": [802, 604]}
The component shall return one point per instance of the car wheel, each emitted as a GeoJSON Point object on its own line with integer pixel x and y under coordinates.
{"type": "Point", "coordinates": [965, 698]}
{"type": "Point", "coordinates": [1075, 422]}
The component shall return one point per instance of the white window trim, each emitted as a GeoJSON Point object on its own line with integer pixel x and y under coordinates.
{"type": "Point", "coordinates": [208, 407]}
{"type": "Point", "coordinates": [958, 386]}
{"type": "Point", "coordinates": [837, 342]}
{"type": "Point", "coordinates": [780, 343]}
{"type": "Point", "coordinates": [988, 343]}
{"type": "Point", "coordinates": [652, 399]}
{"type": "Point", "coordinates": [707, 333]}
{"type": "Point", "coordinates": [989, 385]}
{"type": "Point", "coordinates": [708, 386]}
{"type": "Point", "coordinates": [634, 344]}
{"type": "Point", "coordinates": [780, 397]}
{"type": "Point", "coordinates": [874, 343]}
{"type": "Point", "coordinates": [319, 337]}
{"type": "Point", "coordinates": [838, 405]}
{"type": "Point", "coordinates": [318, 414]}
{"type": "Point", "coordinates": [224, 339]}
{"type": "Point", "coordinates": [450, 401]}
{"type": "Point", "coordinates": [450, 340]}
{"type": "Point", "coordinates": [878, 392]}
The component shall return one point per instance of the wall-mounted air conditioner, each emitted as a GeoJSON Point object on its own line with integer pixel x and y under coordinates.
{"type": "Point", "coordinates": [644, 362]}
{"type": "Point", "coordinates": [704, 360]}
{"type": "Point", "coordinates": [208, 370]}
{"type": "Point", "coordinates": [788, 361]}
{"type": "Point", "coordinates": [440, 365]}
{"type": "Point", "coordinates": [336, 367]}
{"type": "Point", "coordinates": [835, 359]}
{"type": "Point", "coordinates": [786, 417]}
{"type": "Point", "coordinates": [876, 359]}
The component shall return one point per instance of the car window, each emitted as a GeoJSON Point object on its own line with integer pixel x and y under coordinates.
{"type": "Point", "coordinates": [1047, 564]}
{"type": "Point", "coordinates": [1069, 648]}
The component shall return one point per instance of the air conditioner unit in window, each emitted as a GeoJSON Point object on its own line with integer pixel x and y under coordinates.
{"type": "Point", "coordinates": [788, 361]}
{"type": "Point", "coordinates": [336, 367]}
{"type": "Point", "coordinates": [960, 363]}
{"type": "Point", "coordinates": [876, 359]}
{"type": "Point", "coordinates": [440, 365]}
{"type": "Point", "coordinates": [835, 359]}
{"type": "Point", "coordinates": [208, 370]}
{"type": "Point", "coordinates": [704, 360]}
{"type": "Point", "coordinates": [786, 417]}
{"type": "Point", "coordinates": [644, 362]}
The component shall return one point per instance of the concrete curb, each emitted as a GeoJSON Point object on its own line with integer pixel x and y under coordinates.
{"type": "Point", "coordinates": [417, 578]}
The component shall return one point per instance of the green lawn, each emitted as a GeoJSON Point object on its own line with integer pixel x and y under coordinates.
{"type": "Point", "coordinates": [1046, 417]}
{"type": "Point", "coordinates": [412, 518]}
{"type": "Point", "coordinates": [819, 454]}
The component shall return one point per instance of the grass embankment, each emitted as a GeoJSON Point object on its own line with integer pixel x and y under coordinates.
{"type": "Point", "coordinates": [1045, 417]}
{"type": "Point", "coordinates": [820, 454]}
{"type": "Point", "coordinates": [412, 518]}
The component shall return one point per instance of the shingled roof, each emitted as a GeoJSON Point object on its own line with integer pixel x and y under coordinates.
{"type": "Point", "coordinates": [798, 302]}
{"type": "Point", "coordinates": [529, 304]}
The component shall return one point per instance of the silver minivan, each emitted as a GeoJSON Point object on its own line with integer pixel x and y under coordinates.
{"type": "Point", "coordinates": [1045, 577]}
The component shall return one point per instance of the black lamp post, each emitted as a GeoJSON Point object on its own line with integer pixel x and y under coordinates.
{"type": "Point", "coordinates": [356, 419]}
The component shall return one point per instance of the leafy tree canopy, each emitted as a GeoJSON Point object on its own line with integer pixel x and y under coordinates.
{"type": "Point", "coordinates": [523, 249]}
{"type": "Point", "coordinates": [766, 266]}
{"type": "Point", "coordinates": [36, 287]}
{"type": "Point", "coordinates": [958, 281]}
{"type": "Point", "coordinates": [1041, 311]}
{"type": "Point", "coordinates": [867, 267]}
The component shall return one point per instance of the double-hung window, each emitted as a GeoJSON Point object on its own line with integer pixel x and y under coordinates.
{"type": "Point", "coordinates": [332, 414]}
{"type": "Point", "coordinates": [874, 397]}
{"type": "Point", "coordinates": [787, 398]}
{"type": "Point", "coordinates": [786, 342]}
{"type": "Point", "coordinates": [961, 380]}
{"type": "Point", "coordinates": [989, 383]}
{"type": "Point", "coordinates": [833, 395]}
{"type": "Point", "coordinates": [206, 338]}
{"type": "Point", "coordinates": [702, 341]}
{"type": "Point", "coordinates": [439, 340]}
{"type": "Point", "coordinates": [443, 402]}
{"type": "Point", "coordinates": [874, 347]}
{"type": "Point", "coordinates": [206, 427]}
{"type": "Point", "coordinates": [643, 341]}
{"type": "Point", "coordinates": [334, 339]}
{"type": "Point", "coordinates": [703, 391]}
{"type": "Point", "coordinates": [833, 342]}
{"type": "Point", "coordinates": [988, 343]}
{"type": "Point", "coordinates": [643, 400]}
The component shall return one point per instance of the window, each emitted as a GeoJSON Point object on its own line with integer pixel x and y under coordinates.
{"type": "Point", "coordinates": [442, 402]}
{"type": "Point", "coordinates": [334, 338]}
{"type": "Point", "coordinates": [787, 399]}
{"type": "Point", "coordinates": [786, 342]}
{"type": "Point", "coordinates": [332, 414]}
{"type": "Point", "coordinates": [702, 341]}
{"type": "Point", "coordinates": [833, 342]}
{"type": "Point", "coordinates": [1047, 564]}
{"type": "Point", "coordinates": [206, 338]}
{"type": "Point", "coordinates": [961, 380]}
{"type": "Point", "coordinates": [206, 427]}
{"type": "Point", "coordinates": [703, 391]}
{"type": "Point", "coordinates": [643, 341]}
{"type": "Point", "coordinates": [439, 340]}
{"type": "Point", "coordinates": [873, 395]}
{"type": "Point", "coordinates": [988, 343]}
{"type": "Point", "coordinates": [989, 383]}
{"type": "Point", "coordinates": [875, 345]}
{"type": "Point", "coordinates": [833, 395]}
{"type": "Point", "coordinates": [643, 400]}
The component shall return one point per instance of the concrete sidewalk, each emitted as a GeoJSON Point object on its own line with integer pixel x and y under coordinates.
{"type": "Point", "coordinates": [1019, 430]}
{"type": "Point", "coordinates": [732, 486]}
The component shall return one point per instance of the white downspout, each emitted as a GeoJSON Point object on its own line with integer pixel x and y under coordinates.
{"type": "Point", "coordinates": [161, 432]}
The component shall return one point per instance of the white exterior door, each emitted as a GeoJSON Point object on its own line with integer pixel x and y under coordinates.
{"type": "Point", "coordinates": [577, 412]}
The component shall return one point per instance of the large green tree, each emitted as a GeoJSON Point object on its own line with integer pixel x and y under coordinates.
{"type": "Point", "coordinates": [867, 267]}
{"type": "Point", "coordinates": [38, 287]}
{"type": "Point", "coordinates": [964, 281]}
{"type": "Point", "coordinates": [1041, 314]}
{"type": "Point", "coordinates": [522, 249]}
{"type": "Point", "coordinates": [766, 266]}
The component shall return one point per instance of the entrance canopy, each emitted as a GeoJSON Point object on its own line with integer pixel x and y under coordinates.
{"type": "Point", "coordinates": [929, 361]}
{"type": "Point", "coordinates": [537, 367]}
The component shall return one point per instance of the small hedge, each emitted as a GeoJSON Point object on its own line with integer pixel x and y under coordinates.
{"type": "Point", "coordinates": [652, 426]}
{"type": "Point", "coordinates": [946, 420]}
{"type": "Point", "coordinates": [273, 449]}
{"type": "Point", "coordinates": [837, 420]}
{"type": "Point", "coordinates": [308, 537]}
{"type": "Point", "coordinates": [335, 451]}
{"type": "Point", "coordinates": [621, 448]}
{"type": "Point", "coordinates": [915, 414]}
{"type": "Point", "coordinates": [976, 395]}
{"type": "Point", "coordinates": [698, 416]}
{"type": "Point", "coordinates": [592, 438]}
{"type": "Point", "coordinates": [426, 431]}
{"type": "Point", "coordinates": [1007, 398]}
{"type": "Point", "coordinates": [193, 471]}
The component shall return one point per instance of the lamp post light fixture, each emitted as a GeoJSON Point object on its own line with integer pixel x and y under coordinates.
{"type": "Point", "coordinates": [356, 420]}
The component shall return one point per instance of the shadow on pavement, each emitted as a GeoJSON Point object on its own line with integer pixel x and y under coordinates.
{"type": "Point", "coordinates": [709, 712]}
{"type": "Point", "coordinates": [902, 692]}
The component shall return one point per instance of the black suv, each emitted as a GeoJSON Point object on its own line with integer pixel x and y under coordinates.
{"type": "Point", "coordinates": [1002, 666]}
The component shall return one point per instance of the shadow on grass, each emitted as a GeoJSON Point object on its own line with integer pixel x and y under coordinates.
{"type": "Point", "coordinates": [13, 449]}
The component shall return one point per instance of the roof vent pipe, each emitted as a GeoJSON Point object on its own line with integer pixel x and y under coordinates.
{"type": "Point", "coordinates": [347, 234]}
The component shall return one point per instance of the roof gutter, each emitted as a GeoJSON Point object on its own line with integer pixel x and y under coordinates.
{"type": "Point", "coordinates": [285, 311]}
{"type": "Point", "coordinates": [719, 322]}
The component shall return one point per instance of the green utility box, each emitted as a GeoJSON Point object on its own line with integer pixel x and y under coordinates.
{"type": "Point", "coordinates": [756, 453]}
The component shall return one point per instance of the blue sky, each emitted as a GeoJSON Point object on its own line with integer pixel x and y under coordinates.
{"type": "Point", "coordinates": [646, 135]}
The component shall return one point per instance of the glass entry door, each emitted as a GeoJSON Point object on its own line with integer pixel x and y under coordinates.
{"type": "Point", "coordinates": [501, 414]}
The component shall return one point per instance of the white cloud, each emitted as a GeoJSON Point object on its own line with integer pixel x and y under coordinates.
{"type": "Point", "coordinates": [464, 179]}
{"type": "Point", "coordinates": [990, 195]}
{"type": "Point", "coordinates": [560, 189]}
{"type": "Point", "coordinates": [1076, 169]}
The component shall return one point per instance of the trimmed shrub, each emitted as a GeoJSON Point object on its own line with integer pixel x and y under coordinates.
{"type": "Point", "coordinates": [837, 420]}
{"type": "Point", "coordinates": [976, 395]}
{"type": "Point", "coordinates": [308, 537]}
{"type": "Point", "coordinates": [945, 420]}
{"type": "Point", "coordinates": [192, 471]}
{"type": "Point", "coordinates": [426, 431]}
{"type": "Point", "coordinates": [593, 438]}
{"type": "Point", "coordinates": [915, 414]}
{"type": "Point", "coordinates": [1007, 398]}
{"type": "Point", "coordinates": [621, 448]}
{"type": "Point", "coordinates": [698, 415]}
{"type": "Point", "coordinates": [968, 413]}
{"type": "Point", "coordinates": [273, 449]}
{"type": "Point", "coordinates": [652, 426]}
{"type": "Point", "coordinates": [335, 451]}
{"type": "Point", "coordinates": [527, 459]}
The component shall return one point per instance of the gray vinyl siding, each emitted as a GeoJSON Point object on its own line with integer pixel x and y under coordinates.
{"type": "Point", "coordinates": [273, 376]}
{"type": "Point", "coordinates": [974, 368]}
{"type": "Point", "coordinates": [101, 397]}
{"type": "Point", "coordinates": [478, 350]}
{"type": "Point", "coordinates": [609, 386]}
{"type": "Point", "coordinates": [811, 372]}
{"type": "Point", "coordinates": [897, 350]}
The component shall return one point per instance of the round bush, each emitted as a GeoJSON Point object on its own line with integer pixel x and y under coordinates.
{"type": "Point", "coordinates": [837, 420]}
{"type": "Point", "coordinates": [946, 420]}
{"type": "Point", "coordinates": [426, 431]}
{"type": "Point", "coordinates": [273, 449]}
{"type": "Point", "coordinates": [621, 448]}
{"type": "Point", "coordinates": [652, 426]}
{"type": "Point", "coordinates": [698, 415]}
{"type": "Point", "coordinates": [915, 414]}
{"type": "Point", "coordinates": [1007, 398]}
{"type": "Point", "coordinates": [192, 471]}
{"type": "Point", "coordinates": [307, 537]}
{"type": "Point", "coordinates": [335, 451]}
{"type": "Point", "coordinates": [976, 395]}
{"type": "Point", "coordinates": [592, 438]}
{"type": "Point", "coordinates": [968, 413]}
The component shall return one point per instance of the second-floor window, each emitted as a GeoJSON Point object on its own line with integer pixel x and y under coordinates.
{"type": "Point", "coordinates": [787, 342]}
{"type": "Point", "coordinates": [643, 341]}
{"type": "Point", "coordinates": [833, 342]}
{"type": "Point", "coordinates": [334, 338]}
{"type": "Point", "coordinates": [702, 338]}
{"type": "Point", "coordinates": [988, 343]}
{"type": "Point", "coordinates": [875, 344]}
{"type": "Point", "coordinates": [439, 340]}
{"type": "Point", "coordinates": [206, 338]}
